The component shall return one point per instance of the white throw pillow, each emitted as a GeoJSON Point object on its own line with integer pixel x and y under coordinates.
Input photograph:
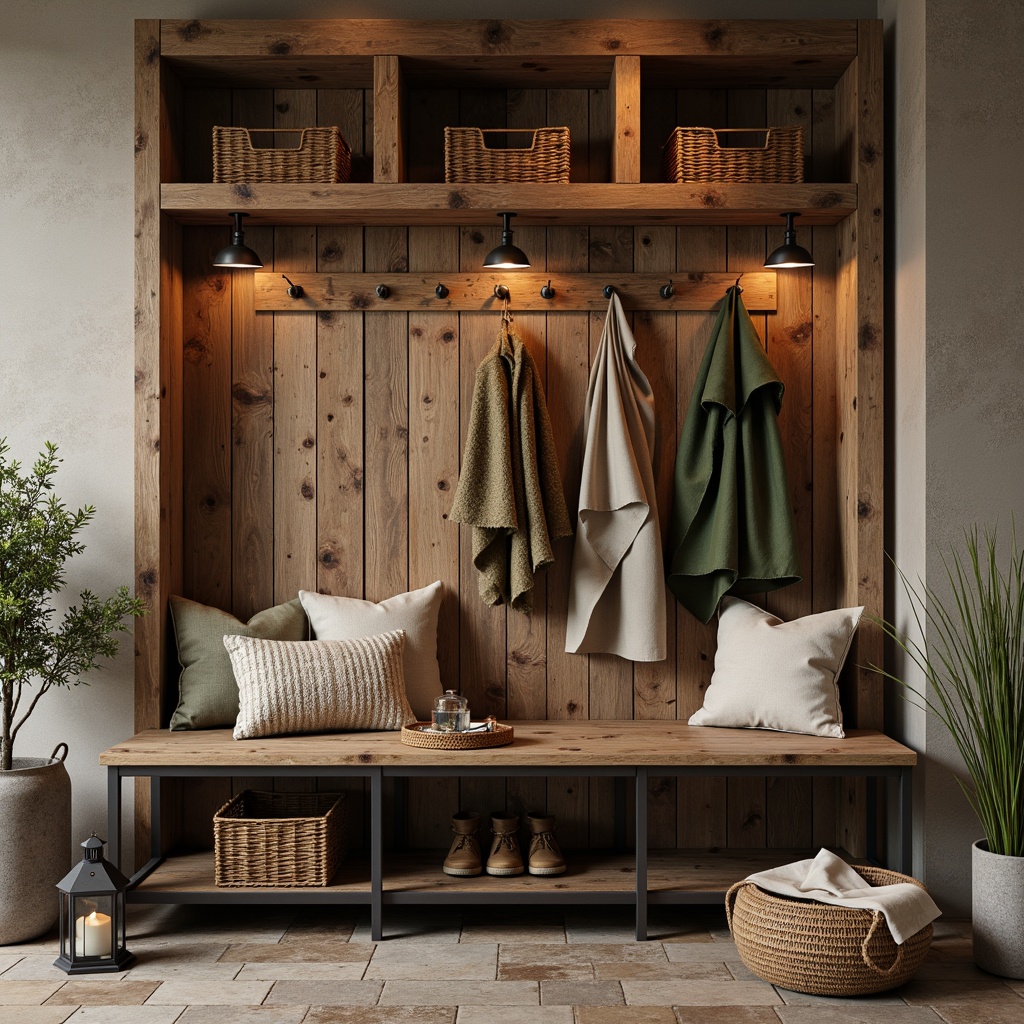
{"type": "Point", "coordinates": [771, 674]}
{"type": "Point", "coordinates": [348, 618]}
{"type": "Point", "coordinates": [295, 686]}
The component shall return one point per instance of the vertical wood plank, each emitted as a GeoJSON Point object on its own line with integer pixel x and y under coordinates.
{"type": "Point", "coordinates": [657, 119]}
{"type": "Point", "coordinates": [252, 404]}
{"type": "Point", "coordinates": [388, 98]}
{"type": "Point", "coordinates": [625, 102]}
{"type": "Point", "coordinates": [570, 108]}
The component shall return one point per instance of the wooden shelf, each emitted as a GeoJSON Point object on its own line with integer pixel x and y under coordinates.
{"type": "Point", "coordinates": [435, 204]}
{"type": "Point", "coordinates": [416, 877]}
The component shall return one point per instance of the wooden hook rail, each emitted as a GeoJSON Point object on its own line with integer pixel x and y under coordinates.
{"type": "Point", "coordinates": [444, 290]}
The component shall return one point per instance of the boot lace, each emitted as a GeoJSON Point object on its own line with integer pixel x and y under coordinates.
{"type": "Point", "coordinates": [544, 841]}
{"type": "Point", "coordinates": [465, 840]}
{"type": "Point", "coordinates": [506, 840]}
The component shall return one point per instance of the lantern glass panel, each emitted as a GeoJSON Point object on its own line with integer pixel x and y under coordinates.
{"type": "Point", "coordinates": [94, 926]}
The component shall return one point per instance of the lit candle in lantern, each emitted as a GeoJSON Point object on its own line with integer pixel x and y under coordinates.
{"type": "Point", "coordinates": [92, 935]}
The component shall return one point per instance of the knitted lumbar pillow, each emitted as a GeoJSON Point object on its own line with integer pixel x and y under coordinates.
{"type": "Point", "coordinates": [318, 685]}
{"type": "Point", "coordinates": [347, 618]}
{"type": "Point", "coordinates": [771, 674]}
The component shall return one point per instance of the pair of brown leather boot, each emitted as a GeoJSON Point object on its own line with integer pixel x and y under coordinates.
{"type": "Point", "coordinates": [464, 858]}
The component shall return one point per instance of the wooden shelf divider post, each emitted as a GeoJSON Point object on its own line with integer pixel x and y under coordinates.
{"type": "Point", "coordinates": [625, 88]}
{"type": "Point", "coordinates": [388, 120]}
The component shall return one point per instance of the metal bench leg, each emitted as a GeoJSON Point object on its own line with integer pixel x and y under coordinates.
{"type": "Point", "coordinates": [641, 854]}
{"type": "Point", "coordinates": [114, 815]}
{"type": "Point", "coordinates": [376, 856]}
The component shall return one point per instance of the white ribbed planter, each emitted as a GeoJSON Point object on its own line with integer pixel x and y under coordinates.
{"type": "Point", "coordinates": [998, 904]}
{"type": "Point", "coordinates": [35, 852]}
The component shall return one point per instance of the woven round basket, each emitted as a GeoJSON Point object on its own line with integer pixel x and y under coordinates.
{"type": "Point", "coordinates": [415, 737]}
{"type": "Point", "coordinates": [821, 949]}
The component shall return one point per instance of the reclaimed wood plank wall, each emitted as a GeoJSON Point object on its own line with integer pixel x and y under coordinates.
{"type": "Point", "coordinates": [322, 450]}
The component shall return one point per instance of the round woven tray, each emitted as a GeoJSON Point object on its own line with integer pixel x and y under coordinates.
{"type": "Point", "coordinates": [500, 737]}
{"type": "Point", "coordinates": [819, 948]}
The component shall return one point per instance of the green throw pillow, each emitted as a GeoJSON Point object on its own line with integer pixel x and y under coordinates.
{"type": "Point", "coordinates": [207, 691]}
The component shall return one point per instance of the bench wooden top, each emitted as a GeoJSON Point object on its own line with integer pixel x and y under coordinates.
{"type": "Point", "coordinates": [545, 743]}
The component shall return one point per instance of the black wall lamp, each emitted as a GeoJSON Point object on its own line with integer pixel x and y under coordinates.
{"type": "Point", "coordinates": [506, 256]}
{"type": "Point", "coordinates": [237, 255]}
{"type": "Point", "coordinates": [789, 255]}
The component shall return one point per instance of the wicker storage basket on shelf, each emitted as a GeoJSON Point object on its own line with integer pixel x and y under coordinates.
{"type": "Point", "coordinates": [819, 948]}
{"type": "Point", "coordinates": [278, 839]}
{"type": "Point", "coordinates": [322, 155]}
{"type": "Point", "coordinates": [695, 154]}
{"type": "Point", "coordinates": [467, 158]}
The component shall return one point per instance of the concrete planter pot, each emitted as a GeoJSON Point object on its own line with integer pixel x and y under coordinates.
{"type": "Point", "coordinates": [35, 851]}
{"type": "Point", "coordinates": [998, 904]}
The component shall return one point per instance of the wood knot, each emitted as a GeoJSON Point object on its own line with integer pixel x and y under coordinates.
{"type": "Point", "coordinates": [194, 349]}
{"type": "Point", "coordinates": [612, 44]}
{"type": "Point", "coordinates": [365, 758]}
{"type": "Point", "coordinates": [448, 337]}
{"type": "Point", "coordinates": [801, 333]}
{"type": "Point", "coordinates": [148, 578]}
{"type": "Point", "coordinates": [190, 32]}
{"type": "Point", "coordinates": [242, 191]}
{"type": "Point", "coordinates": [869, 153]}
{"type": "Point", "coordinates": [868, 337]}
{"type": "Point", "coordinates": [141, 140]}
{"type": "Point", "coordinates": [280, 48]}
{"type": "Point", "coordinates": [458, 201]}
{"type": "Point", "coordinates": [519, 658]}
{"type": "Point", "coordinates": [153, 53]}
{"type": "Point", "coordinates": [714, 36]}
{"type": "Point", "coordinates": [476, 237]}
{"type": "Point", "coordinates": [443, 485]}
{"type": "Point", "coordinates": [711, 200]}
{"type": "Point", "coordinates": [325, 316]}
{"type": "Point", "coordinates": [348, 400]}
{"type": "Point", "coordinates": [308, 442]}
{"type": "Point", "coordinates": [416, 332]}
{"type": "Point", "coordinates": [283, 107]}
{"type": "Point", "coordinates": [496, 33]}
{"type": "Point", "coordinates": [572, 707]}
{"type": "Point", "coordinates": [327, 558]}
{"type": "Point", "coordinates": [332, 251]}
{"type": "Point", "coordinates": [865, 510]}
{"type": "Point", "coordinates": [247, 395]}
{"type": "Point", "coordinates": [307, 490]}
{"type": "Point", "coordinates": [826, 200]}
{"type": "Point", "coordinates": [361, 301]}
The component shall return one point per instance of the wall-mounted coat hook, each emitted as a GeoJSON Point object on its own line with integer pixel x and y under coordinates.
{"type": "Point", "coordinates": [666, 291]}
{"type": "Point", "coordinates": [440, 291]}
{"type": "Point", "coordinates": [547, 292]}
{"type": "Point", "coordinates": [501, 292]}
{"type": "Point", "coordinates": [609, 290]}
{"type": "Point", "coordinates": [383, 291]}
{"type": "Point", "coordinates": [294, 290]}
{"type": "Point", "coordinates": [737, 285]}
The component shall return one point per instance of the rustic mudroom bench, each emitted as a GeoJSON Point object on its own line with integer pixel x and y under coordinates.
{"type": "Point", "coordinates": [624, 750]}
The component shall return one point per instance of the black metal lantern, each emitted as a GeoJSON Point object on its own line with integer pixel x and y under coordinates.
{"type": "Point", "coordinates": [92, 915]}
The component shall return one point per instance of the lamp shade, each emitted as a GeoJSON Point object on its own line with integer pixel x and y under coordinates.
{"type": "Point", "coordinates": [237, 255]}
{"type": "Point", "coordinates": [506, 256]}
{"type": "Point", "coordinates": [789, 255]}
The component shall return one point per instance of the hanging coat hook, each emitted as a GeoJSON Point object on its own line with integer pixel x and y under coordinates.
{"type": "Point", "coordinates": [383, 291]}
{"type": "Point", "coordinates": [547, 292]}
{"type": "Point", "coordinates": [440, 291]}
{"type": "Point", "coordinates": [609, 290]}
{"type": "Point", "coordinates": [294, 290]}
{"type": "Point", "coordinates": [501, 292]}
{"type": "Point", "coordinates": [666, 291]}
{"type": "Point", "coordinates": [737, 285]}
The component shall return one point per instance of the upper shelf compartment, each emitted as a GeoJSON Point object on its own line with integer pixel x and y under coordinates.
{"type": "Point", "coordinates": [427, 203]}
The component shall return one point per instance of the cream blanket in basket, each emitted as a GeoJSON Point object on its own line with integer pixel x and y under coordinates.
{"type": "Point", "coordinates": [907, 908]}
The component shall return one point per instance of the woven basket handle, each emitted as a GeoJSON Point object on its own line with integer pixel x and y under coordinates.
{"type": "Point", "coordinates": [730, 900]}
{"type": "Point", "coordinates": [877, 918]}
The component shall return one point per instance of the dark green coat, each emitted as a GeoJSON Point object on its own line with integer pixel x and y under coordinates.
{"type": "Point", "coordinates": [732, 528]}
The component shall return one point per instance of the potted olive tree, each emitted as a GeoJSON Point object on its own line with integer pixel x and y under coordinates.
{"type": "Point", "coordinates": [972, 657]}
{"type": "Point", "coordinates": [40, 651]}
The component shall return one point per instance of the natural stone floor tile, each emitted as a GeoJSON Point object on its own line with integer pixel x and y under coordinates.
{"type": "Point", "coordinates": [1017, 986]}
{"type": "Point", "coordinates": [678, 924]}
{"type": "Point", "coordinates": [180, 950]}
{"type": "Point", "coordinates": [986, 1013]}
{"type": "Point", "coordinates": [545, 972]}
{"type": "Point", "coordinates": [701, 953]}
{"type": "Point", "coordinates": [580, 993]}
{"type": "Point", "coordinates": [105, 992]}
{"type": "Point", "coordinates": [741, 972]}
{"type": "Point", "coordinates": [380, 1015]}
{"type": "Point", "coordinates": [535, 924]}
{"type": "Point", "coordinates": [625, 1015]}
{"type": "Point", "coordinates": [700, 993]}
{"type": "Point", "coordinates": [460, 993]}
{"type": "Point", "coordinates": [515, 1015]}
{"type": "Point", "coordinates": [243, 1015]}
{"type": "Point", "coordinates": [38, 1014]}
{"type": "Point", "coordinates": [311, 951]}
{"type": "Point", "coordinates": [126, 1015]}
{"type": "Point", "coordinates": [324, 993]}
{"type": "Point", "coordinates": [182, 992]}
{"type": "Point", "coordinates": [321, 922]}
{"type": "Point", "coordinates": [28, 993]}
{"type": "Point", "coordinates": [34, 968]}
{"type": "Point", "coordinates": [600, 924]}
{"type": "Point", "coordinates": [858, 1013]}
{"type": "Point", "coordinates": [418, 952]}
{"type": "Point", "coordinates": [662, 972]}
{"type": "Point", "coordinates": [938, 993]}
{"type": "Point", "coordinates": [8, 961]}
{"type": "Point", "coordinates": [510, 953]}
{"type": "Point", "coordinates": [302, 972]}
{"type": "Point", "coordinates": [427, 971]}
{"type": "Point", "coordinates": [416, 924]}
{"type": "Point", "coordinates": [168, 969]}
{"type": "Point", "coordinates": [890, 998]}
{"type": "Point", "coordinates": [730, 1015]}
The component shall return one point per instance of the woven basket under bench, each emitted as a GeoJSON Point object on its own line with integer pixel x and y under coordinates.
{"type": "Point", "coordinates": [278, 839]}
{"type": "Point", "coordinates": [820, 948]}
